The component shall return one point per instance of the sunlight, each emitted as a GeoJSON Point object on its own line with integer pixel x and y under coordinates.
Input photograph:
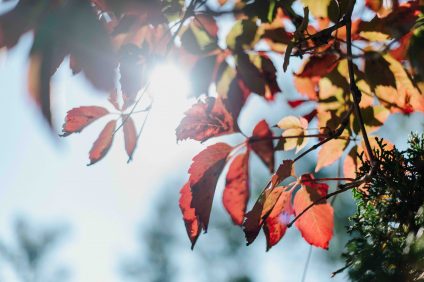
{"type": "Point", "coordinates": [169, 85]}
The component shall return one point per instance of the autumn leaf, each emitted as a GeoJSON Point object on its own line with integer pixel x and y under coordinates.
{"type": "Point", "coordinates": [350, 164]}
{"type": "Point", "coordinates": [319, 65]}
{"type": "Point", "coordinates": [78, 118]}
{"type": "Point", "coordinates": [297, 103]}
{"type": "Point", "coordinates": [258, 74]}
{"type": "Point", "coordinates": [204, 173]}
{"type": "Point", "coordinates": [236, 192]}
{"type": "Point", "coordinates": [316, 224]}
{"type": "Point", "coordinates": [293, 127]}
{"type": "Point", "coordinates": [200, 37]}
{"type": "Point", "coordinates": [205, 120]}
{"type": "Point", "coordinates": [318, 8]}
{"type": "Point", "coordinates": [189, 216]}
{"type": "Point", "coordinates": [377, 71]}
{"type": "Point", "coordinates": [394, 25]}
{"type": "Point", "coordinates": [243, 35]}
{"type": "Point", "coordinates": [330, 152]}
{"type": "Point", "coordinates": [258, 214]}
{"type": "Point", "coordinates": [276, 224]}
{"type": "Point", "coordinates": [130, 135]}
{"type": "Point", "coordinates": [285, 170]}
{"type": "Point", "coordinates": [102, 145]}
{"type": "Point", "coordinates": [262, 144]}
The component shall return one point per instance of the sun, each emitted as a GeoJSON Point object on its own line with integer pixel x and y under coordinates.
{"type": "Point", "coordinates": [169, 85]}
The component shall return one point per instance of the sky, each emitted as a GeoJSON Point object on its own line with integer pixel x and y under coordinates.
{"type": "Point", "coordinates": [45, 178]}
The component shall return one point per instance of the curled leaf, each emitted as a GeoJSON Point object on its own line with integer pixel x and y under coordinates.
{"type": "Point", "coordinates": [205, 120]}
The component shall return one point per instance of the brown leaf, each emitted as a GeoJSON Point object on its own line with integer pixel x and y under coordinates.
{"type": "Point", "coordinates": [78, 118]}
{"type": "Point", "coordinates": [236, 192]}
{"type": "Point", "coordinates": [258, 73]}
{"type": "Point", "coordinates": [319, 65]}
{"type": "Point", "coordinates": [102, 145]}
{"type": "Point", "coordinates": [285, 170]}
{"type": "Point", "coordinates": [204, 173]}
{"type": "Point", "coordinates": [205, 120]}
{"type": "Point", "coordinates": [262, 144]}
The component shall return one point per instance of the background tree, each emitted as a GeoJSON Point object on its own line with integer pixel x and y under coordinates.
{"type": "Point", "coordinates": [30, 256]}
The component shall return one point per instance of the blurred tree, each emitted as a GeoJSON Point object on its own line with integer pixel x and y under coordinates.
{"type": "Point", "coordinates": [29, 256]}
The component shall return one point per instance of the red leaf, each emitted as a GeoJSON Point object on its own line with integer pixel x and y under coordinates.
{"type": "Point", "coordinates": [236, 192]}
{"type": "Point", "coordinates": [316, 225]}
{"type": "Point", "coordinates": [130, 136]}
{"type": "Point", "coordinates": [310, 115]}
{"type": "Point", "coordinates": [204, 173]}
{"type": "Point", "coordinates": [319, 65]}
{"type": "Point", "coordinates": [102, 145]}
{"type": "Point", "coordinates": [274, 230]}
{"type": "Point", "coordinates": [205, 120]}
{"type": "Point", "coordinates": [258, 214]}
{"type": "Point", "coordinates": [297, 103]}
{"type": "Point", "coordinates": [263, 148]}
{"type": "Point", "coordinates": [276, 224]}
{"type": "Point", "coordinates": [78, 118]}
{"type": "Point", "coordinates": [190, 219]}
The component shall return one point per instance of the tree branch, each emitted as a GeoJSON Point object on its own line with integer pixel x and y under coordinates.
{"type": "Point", "coordinates": [356, 94]}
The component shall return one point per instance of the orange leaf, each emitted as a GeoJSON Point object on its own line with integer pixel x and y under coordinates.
{"type": "Point", "coordinates": [350, 164]}
{"type": "Point", "coordinates": [236, 192]}
{"type": "Point", "coordinates": [102, 145]}
{"type": "Point", "coordinates": [330, 152]}
{"type": "Point", "coordinates": [78, 118]}
{"type": "Point", "coordinates": [316, 225]}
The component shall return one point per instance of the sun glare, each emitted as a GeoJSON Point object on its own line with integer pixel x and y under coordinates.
{"type": "Point", "coordinates": [169, 85]}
